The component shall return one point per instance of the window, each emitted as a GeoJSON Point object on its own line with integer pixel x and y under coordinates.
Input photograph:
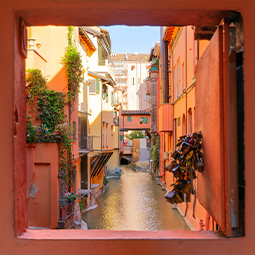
{"type": "Point", "coordinates": [216, 241]}
{"type": "Point", "coordinates": [133, 81]}
{"type": "Point", "coordinates": [179, 77]}
{"type": "Point", "coordinates": [128, 118]}
{"type": "Point", "coordinates": [145, 119]}
{"type": "Point", "coordinates": [179, 121]}
{"type": "Point", "coordinates": [106, 141]}
{"type": "Point", "coordinates": [147, 97]}
{"type": "Point", "coordinates": [190, 121]}
{"type": "Point", "coordinates": [121, 137]}
{"type": "Point", "coordinates": [183, 77]}
{"type": "Point", "coordinates": [175, 81]}
{"type": "Point", "coordinates": [139, 80]}
{"type": "Point", "coordinates": [112, 99]}
{"type": "Point", "coordinates": [103, 141]}
{"type": "Point", "coordinates": [141, 120]}
{"type": "Point", "coordinates": [92, 86]}
{"type": "Point", "coordinates": [132, 68]}
{"type": "Point", "coordinates": [133, 96]}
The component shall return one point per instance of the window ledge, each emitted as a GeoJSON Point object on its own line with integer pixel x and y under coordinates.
{"type": "Point", "coordinates": [74, 234]}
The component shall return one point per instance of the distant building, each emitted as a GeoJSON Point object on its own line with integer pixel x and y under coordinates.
{"type": "Point", "coordinates": [130, 70]}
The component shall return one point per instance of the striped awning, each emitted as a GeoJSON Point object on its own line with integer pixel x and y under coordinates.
{"type": "Point", "coordinates": [169, 33]}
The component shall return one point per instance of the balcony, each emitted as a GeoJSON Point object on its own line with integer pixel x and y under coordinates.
{"type": "Point", "coordinates": [102, 66]}
{"type": "Point", "coordinates": [86, 143]}
{"type": "Point", "coordinates": [165, 118]}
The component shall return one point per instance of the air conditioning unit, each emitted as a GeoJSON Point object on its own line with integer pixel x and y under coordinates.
{"type": "Point", "coordinates": [166, 155]}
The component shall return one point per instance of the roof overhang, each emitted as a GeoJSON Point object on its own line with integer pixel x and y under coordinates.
{"type": "Point", "coordinates": [97, 75]}
{"type": "Point", "coordinates": [87, 43]}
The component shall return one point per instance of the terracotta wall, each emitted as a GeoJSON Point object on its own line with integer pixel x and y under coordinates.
{"type": "Point", "coordinates": [135, 122]}
{"type": "Point", "coordinates": [43, 185]}
{"type": "Point", "coordinates": [13, 162]}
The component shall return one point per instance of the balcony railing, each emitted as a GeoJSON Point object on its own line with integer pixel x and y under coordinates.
{"type": "Point", "coordinates": [86, 143]}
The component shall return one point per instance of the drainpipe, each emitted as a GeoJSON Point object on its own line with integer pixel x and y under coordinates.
{"type": "Point", "coordinates": [164, 80]}
{"type": "Point", "coordinates": [172, 87]}
{"type": "Point", "coordinates": [102, 83]}
{"type": "Point", "coordinates": [186, 73]}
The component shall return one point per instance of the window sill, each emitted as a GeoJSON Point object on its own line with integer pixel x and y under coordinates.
{"type": "Point", "coordinates": [74, 234]}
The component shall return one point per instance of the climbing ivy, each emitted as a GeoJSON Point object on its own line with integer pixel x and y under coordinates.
{"type": "Point", "coordinates": [154, 153]}
{"type": "Point", "coordinates": [51, 108]}
{"type": "Point", "coordinates": [73, 64]}
{"type": "Point", "coordinates": [36, 82]}
{"type": "Point", "coordinates": [46, 122]}
{"type": "Point", "coordinates": [67, 161]}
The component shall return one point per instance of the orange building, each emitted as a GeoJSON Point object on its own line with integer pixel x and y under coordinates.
{"type": "Point", "coordinates": [176, 100]}
{"type": "Point", "coordinates": [182, 101]}
{"type": "Point", "coordinates": [47, 47]}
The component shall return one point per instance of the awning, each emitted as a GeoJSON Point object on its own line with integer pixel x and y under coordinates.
{"type": "Point", "coordinates": [98, 162]}
{"type": "Point", "coordinates": [96, 75]}
{"type": "Point", "coordinates": [170, 32]}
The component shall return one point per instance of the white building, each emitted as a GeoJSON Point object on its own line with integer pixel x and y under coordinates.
{"type": "Point", "coordinates": [130, 71]}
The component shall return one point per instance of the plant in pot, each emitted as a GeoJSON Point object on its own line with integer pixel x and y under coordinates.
{"type": "Point", "coordinates": [70, 197]}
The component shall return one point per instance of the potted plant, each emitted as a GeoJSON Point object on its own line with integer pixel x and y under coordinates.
{"type": "Point", "coordinates": [70, 197]}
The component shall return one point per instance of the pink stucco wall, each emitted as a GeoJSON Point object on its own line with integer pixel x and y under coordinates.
{"type": "Point", "coordinates": [13, 163]}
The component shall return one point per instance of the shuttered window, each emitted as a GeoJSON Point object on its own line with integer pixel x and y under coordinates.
{"type": "Point", "coordinates": [128, 118]}
{"type": "Point", "coordinates": [92, 86]}
{"type": "Point", "coordinates": [145, 119]}
{"type": "Point", "coordinates": [97, 86]}
{"type": "Point", "coordinates": [112, 99]}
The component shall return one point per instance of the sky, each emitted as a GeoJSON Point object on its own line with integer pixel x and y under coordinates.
{"type": "Point", "coordinates": [133, 39]}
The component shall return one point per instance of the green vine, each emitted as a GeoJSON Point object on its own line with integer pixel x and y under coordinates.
{"type": "Point", "coordinates": [73, 64]}
{"type": "Point", "coordinates": [46, 122]}
{"type": "Point", "coordinates": [66, 156]}
{"type": "Point", "coordinates": [51, 108]}
{"type": "Point", "coordinates": [154, 153]}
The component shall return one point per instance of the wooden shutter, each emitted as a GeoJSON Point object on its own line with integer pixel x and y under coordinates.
{"type": "Point", "coordinates": [217, 187]}
{"type": "Point", "coordinates": [145, 119]}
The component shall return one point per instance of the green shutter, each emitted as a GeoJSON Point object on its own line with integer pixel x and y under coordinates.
{"type": "Point", "coordinates": [97, 86]}
{"type": "Point", "coordinates": [100, 55]}
{"type": "Point", "coordinates": [112, 101]}
{"type": "Point", "coordinates": [121, 137]}
{"type": "Point", "coordinates": [145, 119]}
{"type": "Point", "coordinates": [107, 95]}
{"type": "Point", "coordinates": [128, 118]}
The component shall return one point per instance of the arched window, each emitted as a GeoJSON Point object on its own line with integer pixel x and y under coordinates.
{"type": "Point", "coordinates": [190, 130]}
{"type": "Point", "coordinates": [183, 125]}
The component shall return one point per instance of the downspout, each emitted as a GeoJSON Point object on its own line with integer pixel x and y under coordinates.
{"type": "Point", "coordinates": [101, 90]}
{"type": "Point", "coordinates": [186, 73]}
{"type": "Point", "coordinates": [172, 87]}
{"type": "Point", "coordinates": [164, 70]}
